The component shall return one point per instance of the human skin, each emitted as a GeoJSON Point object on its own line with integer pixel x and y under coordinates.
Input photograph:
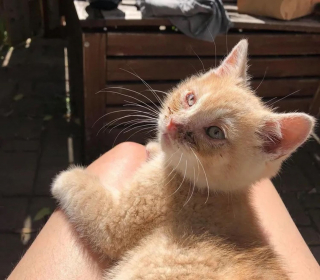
{"type": "Point", "coordinates": [58, 253]}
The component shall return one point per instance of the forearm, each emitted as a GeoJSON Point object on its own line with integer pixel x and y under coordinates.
{"type": "Point", "coordinates": [282, 233]}
{"type": "Point", "coordinates": [58, 254]}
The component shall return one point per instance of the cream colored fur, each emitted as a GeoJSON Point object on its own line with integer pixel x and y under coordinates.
{"type": "Point", "coordinates": [187, 213]}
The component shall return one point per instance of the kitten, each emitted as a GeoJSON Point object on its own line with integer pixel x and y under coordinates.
{"type": "Point", "coordinates": [186, 214]}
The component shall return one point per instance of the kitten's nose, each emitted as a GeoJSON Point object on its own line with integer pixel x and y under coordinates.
{"type": "Point", "coordinates": [171, 126]}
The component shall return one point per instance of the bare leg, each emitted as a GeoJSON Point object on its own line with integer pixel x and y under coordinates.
{"type": "Point", "coordinates": [57, 253]}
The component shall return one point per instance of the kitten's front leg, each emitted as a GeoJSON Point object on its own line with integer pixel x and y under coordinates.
{"type": "Point", "coordinates": [111, 222]}
{"type": "Point", "coordinates": [89, 206]}
{"type": "Point", "coordinates": [153, 149]}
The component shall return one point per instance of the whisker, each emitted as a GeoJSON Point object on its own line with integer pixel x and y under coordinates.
{"type": "Point", "coordinates": [129, 136]}
{"type": "Point", "coordinates": [205, 174]}
{"type": "Point", "coordinates": [193, 187]}
{"type": "Point", "coordinates": [127, 116]}
{"type": "Point", "coordinates": [129, 103]}
{"type": "Point", "coordinates": [129, 110]}
{"type": "Point", "coordinates": [270, 100]}
{"type": "Point", "coordinates": [137, 99]}
{"type": "Point", "coordinates": [144, 117]}
{"type": "Point", "coordinates": [131, 90]}
{"type": "Point", "coordinates": [144, 82]}
{"type": "Point", "coordinates": [215, 48]}
{"type": "Point", "coordinates": [265, 72]}
{"type": "Point", "coordinates": [199, 59]}
{"type": "Point", "coordinates": [173, 169]}
{"type": "Point", "coordinates": [143, 125]}
{"type": "Point", "coordinates": [166, 165]}
{"type": "Point", "coordinates": [136, 121]}
{"type": "Point", "coordinates": [284, 97]}
{"type": "Point", "coordinates": [156, 90]}
{"type": "Point", "coordinates": [140, 131]}
{"type": "Point", "coordinates": [184, 176]}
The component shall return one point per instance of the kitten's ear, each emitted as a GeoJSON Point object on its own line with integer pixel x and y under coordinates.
{"type": "Point", "coordinates": [236, 62]}
{"type": "Point", "coordinates": [284, 133]}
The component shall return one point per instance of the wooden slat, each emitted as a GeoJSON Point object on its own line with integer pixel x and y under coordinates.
{"type": "Point", "coordinates": [94, 104]}
{"type": "Point", "coordinates": [284, 87]}
{"type": "Point", "coordinates": [175, 69]}
{"type": "Point", "coordinates": [315, 106]}
{"type": "Point", "coordinates": [293, 104]}
{"type": "Point", "coordinates": [266, 88]}
{"type": "Point", "coordinates": [166, 44]}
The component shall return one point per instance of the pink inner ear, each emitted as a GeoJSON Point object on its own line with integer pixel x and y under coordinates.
{"type": "Point", "coordinates": [284, 135]}
{"type": "Point", "coordinates": [295, 130]}
{"type": "Point", "coordinates": [229, 62]}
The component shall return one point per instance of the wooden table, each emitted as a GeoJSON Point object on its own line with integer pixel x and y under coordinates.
{"type": "Point", "coordinates": [285, 55]}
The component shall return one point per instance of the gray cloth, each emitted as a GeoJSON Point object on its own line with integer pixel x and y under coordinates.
{"type": "Point", "coordinates": [201, 19]}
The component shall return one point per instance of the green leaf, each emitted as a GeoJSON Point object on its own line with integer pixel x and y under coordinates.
{"type": "Point", "coordinates": [18, 97]}
{"type": "Point", "coordinates": [46, 211]}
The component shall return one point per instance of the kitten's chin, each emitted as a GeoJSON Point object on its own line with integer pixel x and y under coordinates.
{"type": "Point", "coordinates": [166, 142]}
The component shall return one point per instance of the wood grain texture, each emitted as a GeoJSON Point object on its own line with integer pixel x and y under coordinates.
{"type": "Point", "coordinates": [265, 88]}
{"type": "Point", "coordinates": [94, 46]}
{"type": "Point", "coordinates": [176, 69]}
{"type": "Point", "coordinates": [293, 105]}
{"type": "Point", "coordinates": [167, 44]}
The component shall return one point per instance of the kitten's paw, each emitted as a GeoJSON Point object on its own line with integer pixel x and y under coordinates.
{"type": "Point", "coordinates": [153, 149]}
{"type": "Point", "coordinates": [66, 182]}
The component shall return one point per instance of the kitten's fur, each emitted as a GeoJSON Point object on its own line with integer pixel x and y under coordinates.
{"type": "Point", "coordinates": [159, 227]}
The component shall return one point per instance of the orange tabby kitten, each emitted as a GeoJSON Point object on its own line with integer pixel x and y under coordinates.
{"type": "Point", "coordinates": [186, 214]}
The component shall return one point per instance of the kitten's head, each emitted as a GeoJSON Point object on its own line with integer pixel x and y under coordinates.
{"type": "Point", "coordinates": [214, 122]}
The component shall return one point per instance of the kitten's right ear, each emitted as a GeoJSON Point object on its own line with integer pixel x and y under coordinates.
{"type": "Point", "coordinates": [282, 134]}
{"type": "Point", "coordinates": [235, 64]}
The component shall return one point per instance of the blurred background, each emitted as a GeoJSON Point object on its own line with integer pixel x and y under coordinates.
{"type": "Point", "coordinates": [66, 64]}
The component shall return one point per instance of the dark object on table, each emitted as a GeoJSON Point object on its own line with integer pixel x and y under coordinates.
{"type": "Point", "coordinates": [104, 4]}
{"type": "Point", "coordinates": [200, 19]}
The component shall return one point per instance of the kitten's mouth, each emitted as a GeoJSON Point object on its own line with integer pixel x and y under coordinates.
{"type": "Point", "coordinates": [181, 139]}
{"type": "Point", "coordinates": [167, 137]}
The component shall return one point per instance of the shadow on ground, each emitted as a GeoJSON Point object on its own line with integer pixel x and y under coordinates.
{"type": "Point", "coordinates": [36, 141]}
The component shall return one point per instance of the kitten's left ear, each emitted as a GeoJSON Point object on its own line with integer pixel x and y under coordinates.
{"type": "Point", "coordinates": [236, 62]}
{"type": "Point", "coordinates": [282, 134]}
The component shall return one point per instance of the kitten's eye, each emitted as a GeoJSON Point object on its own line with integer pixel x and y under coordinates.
{"type": "Point", "coordinates": [215, 133]}
{"type": "Point", "coordinates": [190, 98]}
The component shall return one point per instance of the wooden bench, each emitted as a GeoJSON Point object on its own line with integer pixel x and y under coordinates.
{"type": "Point", "coordinates": [284, 58]}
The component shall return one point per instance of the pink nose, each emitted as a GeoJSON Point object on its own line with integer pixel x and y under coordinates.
{"type": "Point", "coordinates": [171, 126]}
